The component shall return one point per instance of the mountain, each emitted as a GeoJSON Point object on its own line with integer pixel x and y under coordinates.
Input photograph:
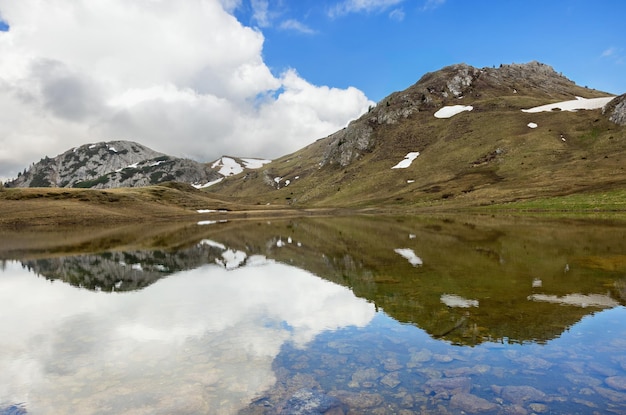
{"type": "Point", "coordinates": [125, 164]}
{"type": "Point", "coordinates": [459, 136]}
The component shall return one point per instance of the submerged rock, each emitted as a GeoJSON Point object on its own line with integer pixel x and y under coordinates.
{"type": "Point", "coordinates": [309, 402]}
{"type": "Point", "coordinates": [471, 403]}
{"type": "Point", "coordinates": [616, 382]}
{"type": "Point", "coordinates": [520, 394]}
{"type": "Point", "coordinates": [358, 400]}
{"type": "Point", "coordinates": [448, 386]}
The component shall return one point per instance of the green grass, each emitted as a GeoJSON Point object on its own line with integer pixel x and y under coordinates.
{"type": "Point", "coordinates": [609, 201]}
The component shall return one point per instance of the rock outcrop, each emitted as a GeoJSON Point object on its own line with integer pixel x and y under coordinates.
{"type": "Point", "coordinates": [617, 110]}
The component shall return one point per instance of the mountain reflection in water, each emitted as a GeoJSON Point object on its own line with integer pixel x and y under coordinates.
{"type": "Point", "coordinates": [259, 317]}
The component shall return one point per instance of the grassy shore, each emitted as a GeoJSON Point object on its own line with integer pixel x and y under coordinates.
{"type": "Point", "coordinates": [48, 208]}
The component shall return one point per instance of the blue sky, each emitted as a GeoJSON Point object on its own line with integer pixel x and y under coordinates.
{"type": "Point", "coordinates": [262, 78]}
{"type": "Point", "coordinates": [387, 46]}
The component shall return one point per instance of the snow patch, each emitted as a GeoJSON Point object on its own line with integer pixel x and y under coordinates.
{"type": "Point", "coordinates": [203, 186]}
{"type": "Point", "coordinates": [229, 166]}
{"type": "Point", "coordinates": [206, 210]}
{"type": "Point", "coordinates": [408, 159]}
{"type": "Point", "coordinates": [92, 146]}
{"type": "Point", "coordinates": [254, 163]}
{"type": "Point", "coordinates": [156, 163]}
{"type": "Point", "coordinates": [532, 125]}
{"type": "Point", "coordinates": [573, 105]}
{"type": "Point", "coordinates": [408, 254]}
{"type": "Point", "coordinates": [452, 110]}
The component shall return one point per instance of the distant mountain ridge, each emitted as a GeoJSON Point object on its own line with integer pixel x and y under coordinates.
{"type": "Point", "coordinates": [125, 164]}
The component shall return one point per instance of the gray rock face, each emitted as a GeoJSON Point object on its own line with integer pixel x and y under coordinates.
{"type": "Point", "coordinates": [617, 110]}
{"type": "Point", "coordinates": [112, 164]}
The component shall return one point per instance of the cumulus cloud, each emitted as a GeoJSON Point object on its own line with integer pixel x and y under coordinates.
{"type": "Point", "coordinates": [185, 78]}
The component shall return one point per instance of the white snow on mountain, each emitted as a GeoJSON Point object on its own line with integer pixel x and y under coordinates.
{"type": "Point", "coordinates": [408, 159]}
{"type": "Point", "coordinates": [452, 110]}
{"type": "Point", "coordinates": [573, 105]}
{"type": "Point", "coordinates": [254, 163]}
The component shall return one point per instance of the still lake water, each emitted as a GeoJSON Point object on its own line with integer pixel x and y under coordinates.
{"type": "Point", "coordinates": [350, 315]}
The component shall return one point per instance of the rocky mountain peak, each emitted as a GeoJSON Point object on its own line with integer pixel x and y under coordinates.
{"type": "Point", "coordinates": [451, 85]}
{"type": "Point", "coordinates": [126, 164]}
{"type": "Point", "coordinates": [112, 164]}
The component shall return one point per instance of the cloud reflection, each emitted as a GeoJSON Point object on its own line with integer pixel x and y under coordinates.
{"type": "Point", "coordinates": [200, 341]}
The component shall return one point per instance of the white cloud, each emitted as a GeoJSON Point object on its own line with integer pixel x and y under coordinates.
{"type": "Point", "coordinates": [397, 14]}
{"type": "Point", "coordinates": [609, 52]}
{"type": "Point", "coordinates": [359, 6]}
{"type": "Point", "coordinates": [433, 4]}
{"type": "Point", "coordinates": [184, 78]}
{"type": "Point", "coordinates": [260, 12]}
{"type": "Point", "coordinates": [295, 25]}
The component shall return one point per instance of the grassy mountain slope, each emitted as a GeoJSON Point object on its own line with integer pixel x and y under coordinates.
{"type": "Point", "coordinates": [484, 156]}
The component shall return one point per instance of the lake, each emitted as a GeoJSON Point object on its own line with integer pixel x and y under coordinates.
{"type": "Point", "coordinates": [343, 315]}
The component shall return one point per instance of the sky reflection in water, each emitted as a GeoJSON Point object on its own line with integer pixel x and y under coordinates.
{"type": "Point", "coordinates": [167, 344]}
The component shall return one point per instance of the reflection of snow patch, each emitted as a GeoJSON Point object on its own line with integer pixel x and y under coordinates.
{"type": "Point", "coordinates": [207, 222]}
{"type": "Point", "coordinates": [532, 125]}
{"type": "Point", "coordinates": [452, 300]}
{"type": "Point", "coordinates": [206, 210]}
{"type": "Point", "coordinates": [452, 110]}
{"type": "Point", "coordinates": [211, 243]}
{"type": "Point", "coordinates": [573, 105]}
{"type": "Point", "coordinates": [409, 255]}
{"type": "Point", "coordinates": [408, 159]}
{"type": "Point", "coordinates": [136, 267]}
{"type": "Point", "coordinates": [232, 259]}
{"type": "Point", "coordinates": [579, 300]}
{"type": "Point", "coordinates": [537, 283]}
{"type": "Point", "coordinates": [211, 222]}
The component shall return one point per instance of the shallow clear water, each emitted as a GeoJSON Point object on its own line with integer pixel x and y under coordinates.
{"type": "Point", "coordinates": [311, 316]}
